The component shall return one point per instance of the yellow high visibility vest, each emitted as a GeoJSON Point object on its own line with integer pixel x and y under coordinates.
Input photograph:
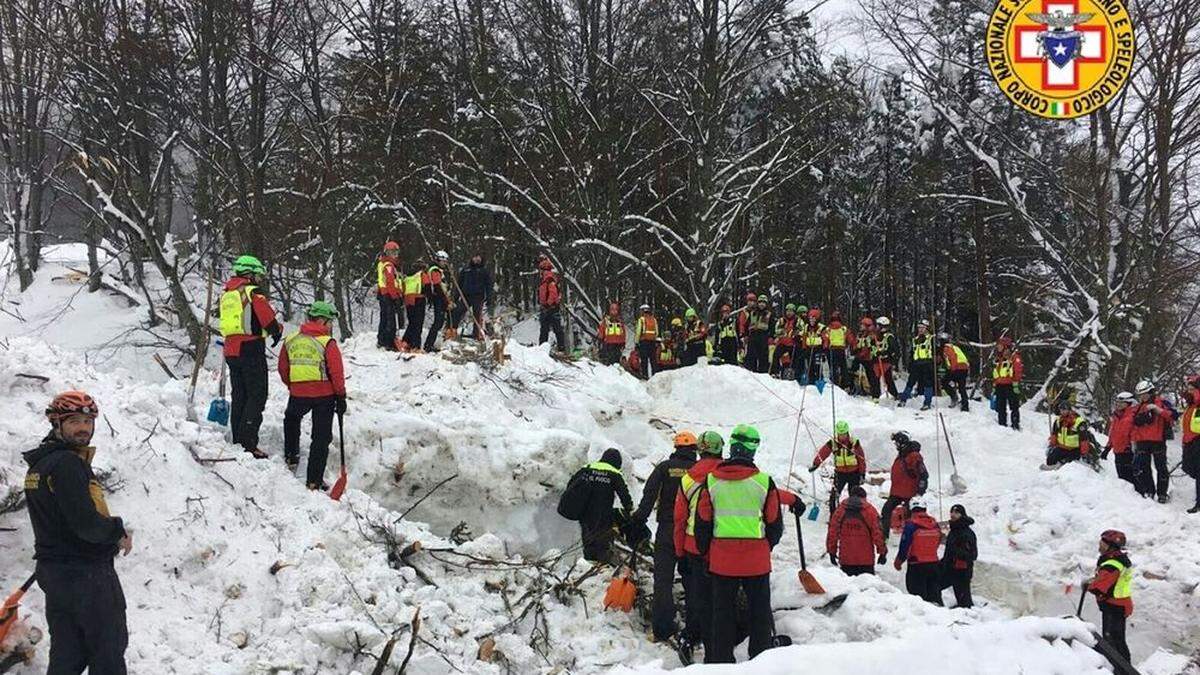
{"type": "Point", "coordinates": [1068, 437]}
{"type": "Point", "coordinates": [812, 335]}
{"type": "Point", "coordinates": [1003, 369]}
{"type": "Point", "coordinates": [379, 273]}
{"type": "Point", "coordinates": [412, 284]}
{"type": "Point", "coordinates": [1124, 586]}
{"type": "Point", "coordinates": [647, 328]}
{"type": "Point", "coordinates": [843, 455]}
{"type": "Point", "coordinates": [306, 357]}
{"type": "Point", "coordinates": [922, 348]}
{"type": "Point", "coordinates": [236, 313]}
{"type": "Point", "coordinates": [837, 337]}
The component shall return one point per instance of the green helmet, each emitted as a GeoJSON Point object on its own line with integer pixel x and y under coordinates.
{"type": "Point", "coordinates": [248, 264]}
{"type": "Point", "coordinates": [322, 310]}
{"type": "Point", "coordinates": [842, 428]}
{"type": "Point", "coordinates": [690, 313]}
{"type": "Point", "coordinates": [744, 439]}
{"type": "Point", "coordinates": [711, 443]}
{"type": "Point", "coordinates": [791, 307]}
{"type": "Point", "coordinates": [801, 309]}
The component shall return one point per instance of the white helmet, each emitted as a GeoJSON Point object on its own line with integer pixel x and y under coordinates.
{"type": "Point", "coordinates": [645, 307]}
{"type": "Point", "coordinates": [442, 255]}
{"type": "Point", "coordinates": [917, 503]}
{"type": "Point", "coordinates": [923, 322]}
{"type": "Point", "coordinates": [1125, 397]}
{"type": "Point", "coordinates": [1144, 387]}
{"type": "Point", "coordinates": [883, 321]}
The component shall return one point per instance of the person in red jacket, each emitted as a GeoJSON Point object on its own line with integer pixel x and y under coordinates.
{"type": "Point", "coordinates": [864, 358]}
{"type": "Point", "coordinates": [919, 548]}
{"type": "Point", "coordinates": [246, 319]}
{"type": "Point", "coordinates": [855, 538]}
{"type": "Point", "coordinates": [1191, 434]}
{"type": "Point", "coordinates": [1007, 372]}
{"type": "Point", "coordinates": [1152, 418]}
{"type": "Point", "coordinates": [550, 301]}
{"type": "Point", "coordinates": [1120, 426]}
{"type": "Point", "coordinates": [698, 596]}
{"type": "Point", "coordinates": [310, 364]}
{"type": "Point", "coordinates": [849, 460]}
{"type": "Point", "coordinates": [387, 289]}
{"type": "Point", "coordinates": [909, 478]}
{"type": "Point", "coordinates": [954, 360]}
{"type": "Point", "coordinates": [812, 345]}
{"type": "Point", "coordinates": [611, 335]}
{"type": "Point", "coordinates": [737, 542]}
{"type": "Point", "coordinates": [1112, 586]}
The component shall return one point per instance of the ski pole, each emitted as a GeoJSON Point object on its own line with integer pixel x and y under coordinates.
{"type": "Point", "coordinates": [1082, 596]}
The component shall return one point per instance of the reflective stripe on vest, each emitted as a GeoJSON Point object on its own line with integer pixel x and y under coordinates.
{"type": "Point", "coordinates": [1003, 369]}
{"type": "Point", "coordinates": [604, 466]}
{"type": "Point", "coordinates": [728, 328]}
{"type": "Point", "coordinates": [1068, 437]}
{"type": "Point", "coordinates": [837, 337]}
{"type": "Point", "coordinates": [760, 321]}
{"type": "Point", "coordinates": [236, 311]}
{"type": "Point", "coordinates": [306, 357]}
{"type": "Point", "coordinates": [379, 273]}
{"type": "Point", "coordinates": [922, 348]}
{"type": "Point", "coordinates": [613, 327]}
{"type": "Point", "coordinates": [812, 335]}
{"type": "Point", "coordinates": [691, 493]}
{"type": "Point", "coordinates": [959, 355]}
{"type": "Point", "coordinates": [1123, 589]}
{"type": "Point", "coordinates": [647, 328]}
{"type": "Point", "coordinates": [843, 455]}
{"type": "Point", "coordinates": [738, 506]}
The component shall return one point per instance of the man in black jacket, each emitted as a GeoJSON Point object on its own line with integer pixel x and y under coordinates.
{"type": "Point", "coordinates": [75, 541]}
{"type": "Point", "coordinates": [589, 500]}
{"type": "Point", "coordinates": [660, 491]}
{"type": "Point", "coordinates": [475, 281]}
{"type": "Point", "coordinates": [958, 560]}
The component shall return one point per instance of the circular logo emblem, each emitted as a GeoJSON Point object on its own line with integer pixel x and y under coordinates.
{"type": "Point", "coordinates": [1060, 59]}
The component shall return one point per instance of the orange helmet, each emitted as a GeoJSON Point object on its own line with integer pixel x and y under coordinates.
{"type": "Point", "coordinates": [814, 313]}
{"type": "Point", "coordinates": [866, 322]}
{"type": "Point", "coordinates": [72, 403]}
{"type": "Point", "coordinates": [684, 439]}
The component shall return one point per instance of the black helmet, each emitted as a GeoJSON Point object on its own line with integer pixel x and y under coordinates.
{"type": "Point", "coordinates": [900, 438]}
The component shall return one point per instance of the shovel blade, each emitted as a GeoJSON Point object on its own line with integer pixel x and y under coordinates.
{"type": "Point", "coordinates": [820, 385]}
{"type": "Point", "coordinates": [339, 486]}
{"type": "Point", "coordinates": [814, 512]}
{"type": "Point", "coordinates": [218, 411]}
{"type": "Point", "coordinates": [810, 583]}
{"type": "Point", "coordinates": [957, 485]}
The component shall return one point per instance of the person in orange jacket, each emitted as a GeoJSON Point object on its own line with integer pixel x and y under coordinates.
{"type": "Point", "coordinates": [310, 364]}
{"type": "Point", "coordinates": [954, 361]}
{"type": "Point", "coordinates": [854, 538]}
{"type": "Point", "coordinates": [246, 320]}
{"type": "Point", "coordinates": [787, 327]}
{"type": "Point", "coordinates": [1191, 434]}
{"type": "Point", "coordinates": [1112, 586]}
{"type": "Point", "coordinates": [919, 548]}
{"type": "Point", "coordinates": [1070, 439]}
{"type": "Point", "coordinates": [549, 297]}
{"type": "Point", "coordinates": [850, 462]}
{"type": "Point", "coordinates": [413, 286]}
{"type": "Point", "coordinates": [611, 335]}
{"type": "Point", "coordinates": [387, 289]}
{"type": "Point", "coordinates": [1007, 371]}
{"type": "Point", "coordinates": [1120, 428]}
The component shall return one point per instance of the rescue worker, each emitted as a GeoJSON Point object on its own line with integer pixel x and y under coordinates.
{"type": "Point", "coordinates": [909, 478]}
{"type": "Point", "coordinates": [310, 365]}
{"type": "Point", "coordinates": [437, 291]}
{"type": "Point", "coordinates": [550, 301]}
{"type": "Point", "coordinates": [919, 548]}
{"type": "Point", "coordinates": [695, 333]}
{"type": "Point", "coordinates": [611, 335]}
{"type": "Point", "coordinates": [1152, 418]}
{"type": "Point", "coordinates": [863, 368]}
{"type": "Point", "coordinates": [633, 363]}
{"type": "Point", "coordinates": [813, 344]}
{"type": "Point", "coordinates": [647, 340]}
{"type": "Point", "coordinates": [958, 560]}
{"type": "Point", "coordinates": [246, 319]}
{"type": "Point", "coordinates": [855, 541]}
{"type": "Point", "coordinates": [849, 461]}
{"type": "Point", "coordinates": [475, 282]}
{"type": "Point", "coordinates": [743, 321]}
{"type": "Point", "coordinates": [667, 356]}
{"type": "Point", "coordinates": [786, 330]}
{"type": "Point", "coordinates": [839, 338]}
{"type": "Point", "coordinates": [588, 499]}
{"type": "Point", "coordinates": [1191, 435]}
{"type": "Point", "coordinates": [738, 521]}
{"type": "Point", "coordinates": [697, 583]}
{"type": "Point", "coordinates": [920, 368]}
{"type": "Point", "coordinates": [887, 356]}
{"type": "Point", "coordinates": [1120, 428]}
{"type": "Point", "coordinates": [1113, 587]}
{"type": "Point", "coordinates": [659, 494]}
{"type": "Point", "coordinates": [387, 289]}
{"type": "Point", "coordinates": [74, 542]}
{"type": "Point", "coordinates": [758, 332]}
{"type": "Point", "coordinates": [957, 367]}
{"type": "Point", "coordinates": [1007, 371]}
{"type": "Point", "coordinates": [414, 305]}
{"type": "Point", "coordinates": [727, 335]}
{"type": "Point", "coordinates": [1070, 439]}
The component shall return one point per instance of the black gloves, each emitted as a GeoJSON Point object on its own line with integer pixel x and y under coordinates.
{"type": "Point", "coordinates": [797, 507]}
{"type": "Point", "coordinates": [340, 406]}
{"type": "Point", "coordinates": [275, 337]}
{"type": "Point", "coordinates": [882, 559]}
{"type": "Point", "coordinates": [833, 559]}
{"type": "Point", "coordinates": [1104, 454]}
{"type": "Point", "coordinates": [812, 468]}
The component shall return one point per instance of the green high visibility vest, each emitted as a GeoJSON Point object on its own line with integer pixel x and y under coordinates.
{"type": "Point", "coordinates": [412, 284]}
{"type": "Point", "coordinates": [738, 506]}
{"type": "Point", "coordinates": [1124, 586]}
{"type": "Point", "coordinates": [236, 311]}
{"type": "Point", "coordinates": [837, 336]}
{"type": "Point", "coordinates": [922, 348]}
{"type": "Point", "coordinates": [1194, 423]}
{"type": "Point", "coordinates": [1068, 437]}
{"type": "Point", "coordinates": [306, 357]}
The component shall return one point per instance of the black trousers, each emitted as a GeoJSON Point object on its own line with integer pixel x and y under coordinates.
{"type": "Point", "coordinates": [85, 611]}
{"type": "Point", "coordinates": [756, 352]}
{"type": "Point", "coordinates": [868, 368]}
{"type": "Point", "coordinates": [389, 310]}
{"type": "Point", "coordinates": [1006, 402]}
{"type": "Point", "coordinates": [1191, 463]}
{"type": "Point", "coordinates": [724, 614]}
{"type": "Point", "coordinates": [645, 350]}
{"type": "Point", "coordinates": [662, 614]}
{"type": "Point", "coordinates": [1112, 627]}
{"type": "Point", "coordinates": [415, 316]}
{"type": "Point", "coordinates": [855, 570]}
{"type": "Point", "coordinates": [322, 410]}
{"type": "Point", "coordinates": [960, 581]}
{"type": "Point", "coordinates": [248, 379]}
{"type": "Point", "coordinates": [957, 380]}
{"type": "Point", "coordinates": [1145, 452]}
{"type": "Point", "coordinates": [687, 355]}
{"type": "Point", "coordinates": [885, 514]}
{"type": "Point", "coordinates": [439, 320]}
{"type": "Point", "coordinates": [808, 364]}
{"type": "Point", "coordinates": [1058, 455]}
{"type": "Point", "coordinates": [837, 367]}
{"type": "Point", "coordinates": [460, 311]}
{"type": "Point", "coordinates": [550, 321]}
{"type": "Point", "coordinates": [610, 354]}
{"type": "Point", "coordinates": [729, 350]}
{"type": "Point", "coordinates": [1124, 464]}
{"type": "Point", "coordinates": [840, 482]}
{"type": "Point", "coordinates": [920, 381]}
{"type": "Point", "coordinates": [924, 579]}
{"type": "Point", "coordinates": [697, 594]}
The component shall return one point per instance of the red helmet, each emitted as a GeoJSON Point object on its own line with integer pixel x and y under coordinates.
{"type": "Point", "coordinates": [814, 314]}
{"type": "Point", "coordinates": [1113, 538]}
{"type": "Point", "coordinates": [391, 246]}
{"type": "Point", "coordinates": [614, 307]}
{"type": "Point", "coordinates": [750, 297]}
{"type": "Point", "coordinates": [72, 403]}
{"type": "Point", "coordinates": [866, 322]}
{"type": "Point", "coordinates": [1004, 341]}
{"type": "Point", "coordinates": [544, 263]}
{"type": "Point", "coordinates": [1192, 381]}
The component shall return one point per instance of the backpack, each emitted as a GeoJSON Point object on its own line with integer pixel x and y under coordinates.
{"type": "Point", "coordinates": [574, 500]}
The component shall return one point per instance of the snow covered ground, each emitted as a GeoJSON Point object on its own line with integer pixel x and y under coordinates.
{"type": "Point", "coordinates": [238, 569]}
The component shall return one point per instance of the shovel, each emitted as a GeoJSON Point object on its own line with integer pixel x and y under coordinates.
{"type": "Point", "coordinates": [218, 409]}
{"type": "Point", "coordinates": [807, 580]}
{"type": "Point", "coordinates": [621, 590]}
{"type": "Point", "coordinates": [8, 613]}
{"type": "Point", "coordinates": [339, 486]}
{"type": "Point", "coordinates": [957, 484]}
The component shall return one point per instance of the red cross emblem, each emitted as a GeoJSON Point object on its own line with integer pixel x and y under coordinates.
{"type": "Point", "coordinates": [1027, 48]}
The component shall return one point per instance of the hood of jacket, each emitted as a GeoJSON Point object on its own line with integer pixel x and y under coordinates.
{"type": "Point", "coordinates": [236, 283]}
{"type": "Point", "coordinates": [738, 468]}
{"type": "Point", "coordinates": [314, 328]}
{"type": "Point", "coordinates": [52, 444]}
{"type": "Point", "coordinates": [962, 522]}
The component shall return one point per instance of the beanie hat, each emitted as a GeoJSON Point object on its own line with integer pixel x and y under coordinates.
{"type": "Point", "coordinates": [612, 457]}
